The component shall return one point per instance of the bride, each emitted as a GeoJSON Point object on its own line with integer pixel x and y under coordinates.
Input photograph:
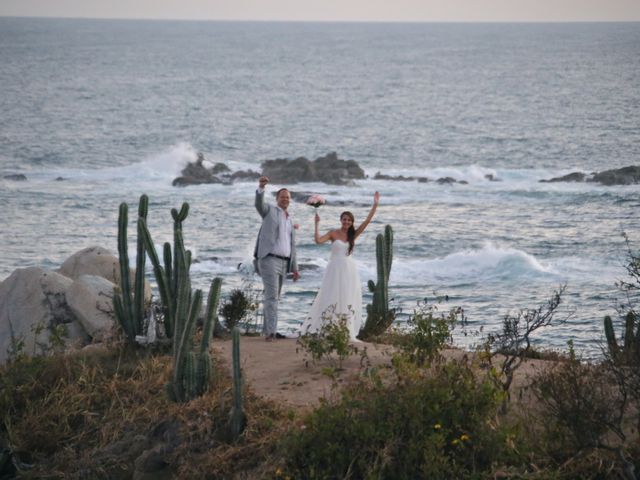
{"type": "Point", "coordinates": [341, 292]}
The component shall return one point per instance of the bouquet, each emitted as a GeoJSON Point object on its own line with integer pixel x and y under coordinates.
{"type": "Point", "coordinates": [316, 201]}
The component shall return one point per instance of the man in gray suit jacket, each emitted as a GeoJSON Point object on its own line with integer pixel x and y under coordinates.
{"type": "Point", "coordinates": [275, 252]}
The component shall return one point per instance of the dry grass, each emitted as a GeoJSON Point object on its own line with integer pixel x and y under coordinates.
{"type": "Point", "coordinates": [105, 414]}
{"type": "Point", "coordinates": [92, 415]}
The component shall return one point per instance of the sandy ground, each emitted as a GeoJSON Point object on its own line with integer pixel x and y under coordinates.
{"type": "Point", "coordinates": [280, 371]}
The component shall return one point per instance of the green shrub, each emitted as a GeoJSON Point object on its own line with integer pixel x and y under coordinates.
{"type": "Point", "coordinates": [579, 407]}
{"type": "Point", "coordinates": [332, 338]}
{"type": "Point", "coordinates": [419, 426]}
{"type": "Point", "coordinates": [429, 333]}
{"type": "Point", "coordinates": [240, 303]}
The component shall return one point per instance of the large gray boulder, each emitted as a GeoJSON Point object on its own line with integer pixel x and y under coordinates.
{"type": "Point", "coordinates": [90, 298]}
{"type": "Point", "coordinates": [101, 262]}
{"type": "Point", "coordinates": [32, 305]}
{"type": "Point", "coordinates": [92, 261]}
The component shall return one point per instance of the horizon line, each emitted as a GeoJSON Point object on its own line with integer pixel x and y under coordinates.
{"type": "Point", "coordinates": [241, 20]}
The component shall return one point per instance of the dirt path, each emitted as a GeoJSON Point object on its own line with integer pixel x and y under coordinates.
{"type": "Point", "coordinates": [278, 371]}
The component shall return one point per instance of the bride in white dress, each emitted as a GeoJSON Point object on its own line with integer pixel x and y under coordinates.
{"type": "Point", "coordinates": [341, 291]}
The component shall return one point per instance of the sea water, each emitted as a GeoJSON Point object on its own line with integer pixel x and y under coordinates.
{"type": "Point", "coordinates": [97, 112]}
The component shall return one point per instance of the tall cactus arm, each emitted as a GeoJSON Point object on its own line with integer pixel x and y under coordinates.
{"type": "Point", "coordinates": [611, 337]}
{"type": "Point", "coordinates": [383, 275]}
{"type": "Point", "coordinates": [630, 338]}
{"type": "Point", "coordinates": [161, 277]}
{"type": "Point", "coordinates": [125, 282]}
{"type": "Point", "coordinates": [182, 345]}
{"type": "Point", "coordinates": [168, 268]}
{"type": "Point", "coordinates": [211, 315]}
{"type": "Point", "coordinates": [138, 312]}
{"type": "Point", "coordinates": [388, 237]}
{"type": "Point", "coordinates": [238, 419]}
{"type": "Point", "coordinates": [203, 372]}
{"type": "Point", "coordinates": [182, 214]}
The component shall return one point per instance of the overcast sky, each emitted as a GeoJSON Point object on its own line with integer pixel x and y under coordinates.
{"type": "Point", "coordinates": [334, 10]}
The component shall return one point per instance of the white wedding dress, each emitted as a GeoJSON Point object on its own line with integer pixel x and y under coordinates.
{"type": "Point", "coordinates": [339, 294]}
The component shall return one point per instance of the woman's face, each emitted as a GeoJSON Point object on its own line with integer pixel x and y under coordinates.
{"type": "Point", "coordinates": [346, 222]}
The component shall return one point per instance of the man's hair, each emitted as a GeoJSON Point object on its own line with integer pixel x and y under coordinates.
{"type": "Point", "coordinates": [282, 190]}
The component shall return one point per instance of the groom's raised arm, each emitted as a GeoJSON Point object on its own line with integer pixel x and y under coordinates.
{"type": "Point", "coordinates": [261, 206]}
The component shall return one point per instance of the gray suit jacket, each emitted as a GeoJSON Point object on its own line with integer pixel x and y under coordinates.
{"type": "Point", "coordinates": [269, 232]}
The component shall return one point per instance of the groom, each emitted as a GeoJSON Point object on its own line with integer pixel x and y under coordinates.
{"type": "Point", "coordinates": [275, 252]}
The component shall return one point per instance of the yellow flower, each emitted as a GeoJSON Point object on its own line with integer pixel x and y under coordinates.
{"type": "Point", "coordinates": [278, 472]}
{"type": "Point", "coordinates": [437, 426]}
{"type": "Point", "coordinates": [455, 441]}
{"type": "Point", "coordinates": [464, 437]}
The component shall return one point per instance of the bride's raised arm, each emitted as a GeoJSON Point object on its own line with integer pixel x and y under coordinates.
{"type": "Point", "coordinates": [363, 225]}
{"type": "Point", "coordinates": [316, 236]}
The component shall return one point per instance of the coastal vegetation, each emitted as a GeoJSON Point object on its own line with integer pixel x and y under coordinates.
{"type": "Point", "coordinates": [425, 414]}
{"type": "Point", "coordinates": [126, 410]}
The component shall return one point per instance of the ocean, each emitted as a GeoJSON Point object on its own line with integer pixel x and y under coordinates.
{"type": "Point", "coordinates": [97, 112]}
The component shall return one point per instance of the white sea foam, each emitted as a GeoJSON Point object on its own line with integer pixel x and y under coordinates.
{"type": "Point", "coordinates": [161, 168]}
{"type": "Point", "coordinates": [489, 262]}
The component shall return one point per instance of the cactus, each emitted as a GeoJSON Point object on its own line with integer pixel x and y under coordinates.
{"type": "Point", "coordinates": [631, 339]}
{"type": "Point", "coordinates": [141, 257]}
{"type": "Point", "coordinates": [379, 316]}
{"type": "Point", "coordinates": [191, 368]}
{"type": "Point", "coordinates": [237, 419]}
{"type": "Point", "coordinates": [176, 265]}
{"type": "Point", "coordinates": [128, 304]}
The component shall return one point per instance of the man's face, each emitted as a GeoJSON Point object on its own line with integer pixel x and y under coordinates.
{"type": "Point", "coordinates": [283, 199]}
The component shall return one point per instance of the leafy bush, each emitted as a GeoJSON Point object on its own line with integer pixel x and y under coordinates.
{"type": "Point", "coordinates": [581, 402]}
{"type": "Point", "coordinates": [333, 337]}
{"type": "Point", "coordinates": [429, 334]}
{"type": "Point", "coordinates": [237, 308]}
{"type": "Point", "coordinates": [581, 413]}
{"type": "Point", "coordinates": [417, 427]}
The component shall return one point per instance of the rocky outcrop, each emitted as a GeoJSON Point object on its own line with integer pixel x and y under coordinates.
{"type": "Point", "coordinates": [617, 176]}
{"type": "Point", "coordinates": [620, 176]}
{"type": "Point", "coordinates": [571, 177]}
{"type": "Point", "coordinates": [100, 262]}
{"type": "Point", "coordinates": [440, 181]}
{"type": "Point", "coordinates": [90, 298]}
{"type": "Point", "coordinates": [400, 178]}
{"type": "Point", "coordinates": [35, 303]}
{"type": "Point", "coordinates": [32, 305]}
{"type": "Point", "coordinates": [450, 181]}
{"type": "Point", "coordinates": [16, 177]}
{"type": "Point", "coordinates": [328, 169]}
{"type": "Point", "coordinates": [198, 173]}
{"type": "Point", "coordinates": [92, 261]}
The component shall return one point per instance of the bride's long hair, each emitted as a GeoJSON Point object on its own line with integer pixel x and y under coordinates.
{"type": "Point", "coordinates": [351, 233]}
